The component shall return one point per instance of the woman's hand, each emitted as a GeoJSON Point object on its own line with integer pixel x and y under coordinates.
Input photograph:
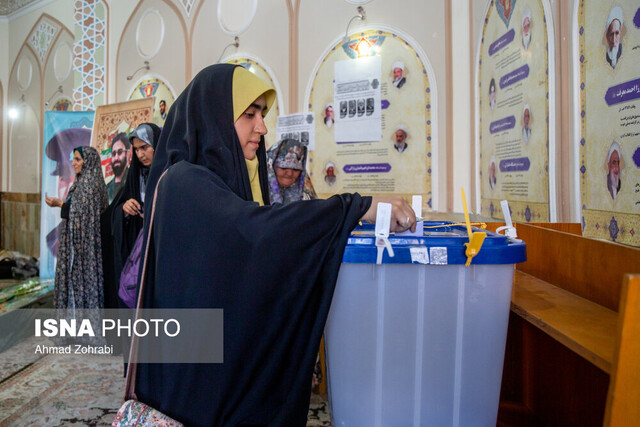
{"type": "Point", "coordinates": [131, 207]}
{"type": "Point", "coordinates": [54, 202]}
{"type": "Point", "coordinates": [402, 215]}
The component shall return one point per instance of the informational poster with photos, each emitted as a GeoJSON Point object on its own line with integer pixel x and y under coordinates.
{"type": "Point", "coordinates": [111, 128]}
{"type": "Point", "coordinates": [357, 94]}
{"type": "Point", "coordinates": [372, 101]}
{"type": "Point", "coordinates": [609, 58]}
{"type": "Point", "coordinates": [513, 92]}
{"type": "Point", "coordinates": [63, 131]}
{"type": "Point", "coordinates": [300, 127]}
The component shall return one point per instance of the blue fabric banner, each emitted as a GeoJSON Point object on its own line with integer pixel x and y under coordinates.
{"type": "Point", "coordinates": [63, 131]}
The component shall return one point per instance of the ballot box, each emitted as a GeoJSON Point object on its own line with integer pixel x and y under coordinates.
{"type": "Point", "coordinates": [418, 339]}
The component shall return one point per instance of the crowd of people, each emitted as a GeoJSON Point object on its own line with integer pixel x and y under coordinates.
{"type": "Point", "coordinates": [235, 227]}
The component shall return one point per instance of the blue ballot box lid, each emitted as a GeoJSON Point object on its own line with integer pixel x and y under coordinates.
{"type": "Point", "coordinates": [441, 244]}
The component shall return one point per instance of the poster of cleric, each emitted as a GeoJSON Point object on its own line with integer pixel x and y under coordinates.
{"type": "Point", "coordinates": [609, 117]}
{"type": "Point", "coordinates": [515, 91]}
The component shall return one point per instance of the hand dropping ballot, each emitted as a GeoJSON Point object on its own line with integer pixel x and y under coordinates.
{"type": "Point", "coordinates": [416, 205]}
{"type": "Point", "coordinates": [383, 224]}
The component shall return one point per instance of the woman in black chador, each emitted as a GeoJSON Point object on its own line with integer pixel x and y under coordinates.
{"type": "Point", "coordinates": [217, 243]}
{"type": "Point", "coordinates": [127, 216]}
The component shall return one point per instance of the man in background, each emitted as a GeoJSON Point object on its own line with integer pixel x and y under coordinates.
{"type": "Point", "coordinates": [120, 159]}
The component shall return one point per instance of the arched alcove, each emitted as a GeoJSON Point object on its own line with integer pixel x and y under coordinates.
{"type": "Point", "coordinates": [24, 103]}
{"type": "Point", "coordinates": [170, 53]}
{"type": "Point", "coordinates": [408, 107]}
{"type": "Point", "coordinates": [515, 105]}
{"type": "Point", "coordinates": [24, 151]}
{"type": "Point", "coordinates": [58, 75]}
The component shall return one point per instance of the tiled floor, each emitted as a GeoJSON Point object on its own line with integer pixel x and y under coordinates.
{"type": "Point", "coordinates": [68, 390]}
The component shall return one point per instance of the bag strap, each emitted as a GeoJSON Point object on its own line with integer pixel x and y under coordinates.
{"type": "Point", "coordinates": [132, 366]}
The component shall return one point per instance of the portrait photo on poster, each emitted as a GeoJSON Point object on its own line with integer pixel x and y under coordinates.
{"type": "Point", "coordinates": [492, 172]}
{"type": "Point", "coordinates": [328, 117]}
{"type": "Point", "coordinates": [399, 74]}
{"type": "Point", "coordinates": [162, 109]}
{"type": "Point", "coordinates": [330, 173]}
{"type": "Point", "coordinates": [370, 106]}
{"type": "Point", "coordinates": [361, 107]}
{"type": "Point", "coordinates": [120, 149]}
{"type": "Point", "coordinates": [526, 28]}
{"type": "Point", "coordinates": [614, 31]}
{"type": "Point", "coordinates": [527, 118]}
{"type": "Point", "coordinates": [399, 138]}
{"type": "Point", "coordinates": [614, 165]}
{"type": "Point", "coordinates": [492, 94]}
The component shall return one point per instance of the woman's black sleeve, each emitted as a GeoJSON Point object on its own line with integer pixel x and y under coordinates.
{"type": "Point", "coordinates": [64, 211]}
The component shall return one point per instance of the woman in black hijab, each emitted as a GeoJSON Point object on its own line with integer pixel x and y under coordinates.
{"type": "Point", "coordinates": [127, 215]}
{"type": "Point", "coordinates": [216, 243]}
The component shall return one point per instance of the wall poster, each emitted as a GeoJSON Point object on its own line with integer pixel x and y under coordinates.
{"type": "Point", "coordinates": [609, 54]}
{"type": "Point", "coordinates": [357, 93]}
{"type": "Point", "coordinates": [380, 80]}
{"type": "Point", "coordinates": [111, 127]}
{"type": "Point", "coordinates": [513, 94]}
{"type": "Point", "coordinates": [161, 93]}
{"type": "Point", "coordinates": [63, 131]}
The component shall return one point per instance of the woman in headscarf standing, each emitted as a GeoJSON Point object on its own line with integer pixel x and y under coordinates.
{"type": "Point", "coordinates": [287, 171]}
{"type": "Point", "coordinates": [217, 243]}
{"type": "Point", "coordinates": [78, 278]}
{"type": "Point", "coordinates": [128, 213]}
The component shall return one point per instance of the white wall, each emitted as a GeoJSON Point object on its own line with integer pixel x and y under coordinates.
{"type": "Point", "coordinates": [322, 22]}
{"type": "Point", "coordinates": [13, 34]}
{"type": "Point", "coordinates": [21, 24]}
{"type": "Point", "coordinates": [462, 98]}
{"type": "Point", "coordinates": [267, 38]}
{"type": "Point", "coordinates": [119, 13]}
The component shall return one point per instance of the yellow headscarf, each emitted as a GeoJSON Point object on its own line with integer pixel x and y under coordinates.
{"type": "Point", "coordinates": [247, 87]}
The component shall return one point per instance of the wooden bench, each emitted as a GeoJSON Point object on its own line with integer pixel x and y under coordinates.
{"type": "Point", "coordinates": [579, 324]}
{"type": "Point", "coordinates": [567, 293]}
